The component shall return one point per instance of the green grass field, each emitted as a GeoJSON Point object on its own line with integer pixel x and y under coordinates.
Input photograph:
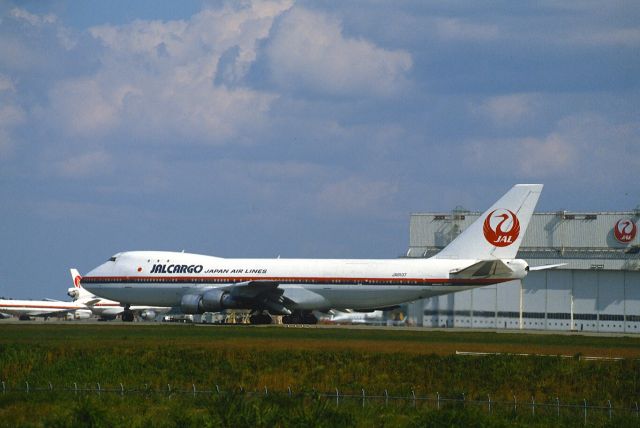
{"type": "Point", "coordinates": [307, 360]}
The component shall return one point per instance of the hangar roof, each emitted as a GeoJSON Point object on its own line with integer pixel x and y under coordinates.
{"type": "Point", "coordinates": [594, 240]}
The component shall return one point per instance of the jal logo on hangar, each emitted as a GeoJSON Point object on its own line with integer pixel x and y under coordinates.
{"type": "Point", "coordinates": [625, 230]}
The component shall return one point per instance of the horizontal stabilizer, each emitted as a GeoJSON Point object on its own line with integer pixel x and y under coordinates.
{"type": "Point", "coordinates": [484, 268]}
{"type": "Point", "coordinates": [545, 267]}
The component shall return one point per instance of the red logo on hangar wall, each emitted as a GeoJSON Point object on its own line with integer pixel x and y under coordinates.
{"type": "Point", "coordinates": [625, 230]}
{"type": "Point", "coordinates": [501, 227]}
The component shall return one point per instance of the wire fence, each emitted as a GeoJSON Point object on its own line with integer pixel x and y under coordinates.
{"type": "Point", "coordinates": [360, 398]}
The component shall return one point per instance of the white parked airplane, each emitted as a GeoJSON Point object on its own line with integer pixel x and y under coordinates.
{"type": "Point", "coordinates": [482, 254]}
{"type": "Point", "coordinates": [108, 309]}
{"type": "Point", "coordinates": [26, 309]}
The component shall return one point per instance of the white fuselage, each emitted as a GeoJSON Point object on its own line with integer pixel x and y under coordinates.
{"type": "Point", "coordinates": [109, 309]}
{"type": "Point", "coordinates": [38, 308]}
{"type": "Point", "coordinates": [162, 278]}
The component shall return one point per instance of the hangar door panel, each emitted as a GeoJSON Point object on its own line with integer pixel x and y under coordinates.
{"type": "Point", "coordinates": [632, 307]}
{"type": "Point", "coordinates": [559, 284]}
{"type": "Point", "coordinates": [611, 301]}
{"type": "Point", "coordinates": [534, 300]}
{"type": "Point", "coordinates": [509, 305]}
{"type": "Point", "coordinates": [585, 297]}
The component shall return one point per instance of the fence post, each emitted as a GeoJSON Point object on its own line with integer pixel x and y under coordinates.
{"type": "Point", "coordinates": [289, 390]}
{"type": "Point", "coordinates": [168, 388]}
{"type": "Point", "coordinates": [413, 393]}
{"type": "Point", "coordinates": [27, 387]}
{"type": "Point", "coordinates": [386, 398]}
{"type": "Point", "coordinates": [50, 387]}
{"type": "Point", "coordinates": [194, 389]}
{"type": "Point", "coordinates": [266, 391]}
{"type": "Point", "coordinates": [585, 411]}
{"type": "Point", "coordinates": [337, 397]}
{"type": "Point", "coordinates": [217, 389]}
{"type": "Point", "coordinates": [637, 412]}
{"type": "Point", "coordinates": [463, 401]}
{"type": "Point", "coordinates": [4, 388]}
{"type": "Point", "coordinates": [558, 406]}
{"type": "Point", "coordinates": [533, 406]}
{"type": "Point", "coordinates": [515, 404]}
{"type": "Point", "coordinates": [609, 401]}
{"type": "Point", "coordinates": [75, 387]}
{"type": "Point", "coordinates": [363, 398]}
{"type": "Point", "coordinates": [438, 400]}
{"type": "Point", "coordinates": [489, 397]}
{"type": "Point", "coordinates": [98, 389]}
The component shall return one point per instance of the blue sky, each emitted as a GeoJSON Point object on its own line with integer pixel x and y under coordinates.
{"type": "Point", "coordinates": [300, 129]}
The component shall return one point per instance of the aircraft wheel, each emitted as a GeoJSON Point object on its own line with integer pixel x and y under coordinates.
{"type": "Point", "coordinates": [127, 316]}
{"type": "Point", "coordinates": [309, 318]}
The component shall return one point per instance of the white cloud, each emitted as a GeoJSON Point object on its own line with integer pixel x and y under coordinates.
{"type": "Point", "coordinates": [309, 51]}
{"type": "Point", "coordinates": [6, 84]}
{"type": "Point", "coordinates": [457, 29]}
{"type": "Point", "coordinates": [529, 157]}
{"type": "Point", "coordinates": [355, 195]}
{"type": "Point", "coordinates": [610, 37]}
{"type": "Point", "coordinates": [86, 106]}
{"type": "Point", "coordinates": [158, 79]}
{"type": "Point", "coordinates": [11, 116]}
{"type": "Point", "coordinates": [585, 148]}
{"type": "Point", "coordinates": [32, 19]}
{"type": "Point", "coordinates": [506, 109]}
{"type": "Point", "coordinates": [87, 164]}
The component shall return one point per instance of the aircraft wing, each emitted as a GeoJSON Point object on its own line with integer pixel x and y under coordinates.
{"type": "Point", "coordinates": [37, 312]}
{"type": "Point", "coordinates": [253, 289]}
{"type": "Point", "coordinates": [263, 293]}
{"type": "Point", "coordinates": [545, 267]}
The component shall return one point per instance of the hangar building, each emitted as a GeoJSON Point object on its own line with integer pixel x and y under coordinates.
{"type": "Point", "coordinates": [597, 290]}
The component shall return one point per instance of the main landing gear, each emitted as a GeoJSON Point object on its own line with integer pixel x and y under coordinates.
{"type": "Point", "coordinates": [262, 318]}
{"type": "Point", "coordinates": [127, 314]}
{"type": "Point", "coordinates": [300, 318]}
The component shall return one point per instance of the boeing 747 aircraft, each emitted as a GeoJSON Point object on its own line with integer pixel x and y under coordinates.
{"type": "Point", "coordinates": [481, 255]}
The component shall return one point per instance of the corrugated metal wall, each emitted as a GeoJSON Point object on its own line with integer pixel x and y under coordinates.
{"type": "Point", "coordinates": [598, 290]}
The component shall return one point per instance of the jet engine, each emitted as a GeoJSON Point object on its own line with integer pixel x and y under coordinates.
{"type": "Point", "coordinates": [80, 314]}
{"type": "Point", "coordinates": [214, 300]}
{"type": "Point", "coordinates": [73, 292]}
{"type": "Point", "coordinates": [148, 315]}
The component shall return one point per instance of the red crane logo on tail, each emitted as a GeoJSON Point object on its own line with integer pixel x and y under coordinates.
{"type": "Point", "coordinates": [625, 230]}
{"type": "Point", "coordinates": [76, 281]}
{"type": "Point", "coordinates": [501, 228]}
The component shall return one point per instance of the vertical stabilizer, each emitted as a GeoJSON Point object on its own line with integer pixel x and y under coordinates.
{"type": "Point", "coordinates": [498, 232]}
{"type": "Point", "coordinates": [77, 291]}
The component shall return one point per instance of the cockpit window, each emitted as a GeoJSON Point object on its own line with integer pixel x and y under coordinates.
{"type": "Point", "coordinates": [112, 259]}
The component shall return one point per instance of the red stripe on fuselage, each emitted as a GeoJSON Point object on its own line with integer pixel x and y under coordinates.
{"type": "Point", "coordinates": [293, 280]}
